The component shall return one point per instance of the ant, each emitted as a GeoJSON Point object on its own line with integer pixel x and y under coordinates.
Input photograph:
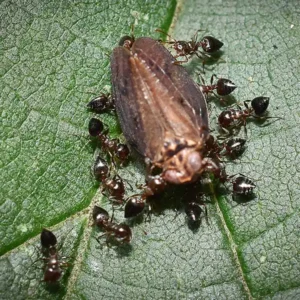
{"type": "Point", "coordinates": [194, 211]}
{"type": "Point", "coordinates": [232, 147]}
{"type": "Point", "coordinates": [208, 44]}
{"type": "Point", "coordinates": [102, 103]}
{"type": "Point", "coordinates": [136, 203]}
{"type": "Point", "coordinates": [241, 185]}
{"type": "Point", "coordinates": [223, 87]}
{"type": "Point", "coordinates": [119, 233]}
{"type": "Point", "coordinates": [53, 271]}
{"type": "Point", "coordinates": [234, 118]}
{"type": "Point", "coordinates": [114, 186]}
{"type": "Point", "coordinates": [112, 146]}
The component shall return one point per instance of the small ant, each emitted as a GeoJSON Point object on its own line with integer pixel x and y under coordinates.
{"type": "Point", "coordinates": [208, 44]}
{"type": "Point", "coordinates": [241, 185]}
{"type": "Point", "coordinates": [194, 211]}
{"type": "Point", "coordinates": [53, 271]}
{"type": "Point", "coordinates": [120, 233]}
{"type": "Point", "coordinates": [223, 87]}
{"type": "Point", "coordinates": [114, 186]}
{"type": "Point", "coordinates": [112, 146]}
{"type": "Point", "coordinates": [136, 203]}
{"type": "Point", "coordinates": [102, 103]}
{"type": "Point", "coordinates": [234, 118]}
{"type": "Point", "coordinates": [232, 147]}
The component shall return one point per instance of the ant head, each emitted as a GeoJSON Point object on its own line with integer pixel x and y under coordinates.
{"type": "Point", "coordinates": [260, 105]}
{"type": "Point", "coordinates": [210, 44]}
{"type": "Point", "coordinates": [95, 127]}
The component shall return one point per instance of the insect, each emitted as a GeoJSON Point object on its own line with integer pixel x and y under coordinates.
{"type": "Point", "coordinates": [136, 203]}
{"type": "Point", "coordinates": [194, 211]}
{"type": "Point", "coordinates": [161, 110]}
{"type": "Point", "coordinates": [101, 104]}
{"type": "Point", "coordinates": [118, 233]}
{"type": "Point", "coordinates": [208, 44]}
{"type": "Point", "coordinates": [113, 186]}
{"type": "Point", "coordinates": [241, 185]}
{"type": "Point", "coordinates": [112, 146]}
{"type": "Point", "coordinates": [53, 264]}
{"type": "Point", "coordinates": [234, 118]}
{"type": "Point", "coordinates": [232, 147]}
{"type": "Point", "coordinates": [223, 87]}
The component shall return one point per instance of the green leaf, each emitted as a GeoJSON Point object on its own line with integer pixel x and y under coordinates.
{"type": "Point", "coordinates": [55, 58]}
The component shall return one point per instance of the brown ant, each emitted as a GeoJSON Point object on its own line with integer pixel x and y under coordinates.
{"type": "Point", "coordinates": [53, 266]}
{"type": "Point", "coordinates": [194, 212]}
{"type": "Point", "coordinates": [223, 87]}
{"type": "Point", "coordinates": [208, 44]}
{"type": "Point", "coordinates": [232, 147]}
{"type": "Point", "coordinates": [119, 233]}
{"type": "Point", "coordinates": [241, 185]}
{"type": "Point", "coordinates": [112, 146]}
{"type": "Point", "coordinates": [114, 186]}
{"type": "Point", "coordinates": [136, 203]}
{"type": "Point", "coordinates": [101, 104]}
{"type": "Point", "coordinates": [234, 118]}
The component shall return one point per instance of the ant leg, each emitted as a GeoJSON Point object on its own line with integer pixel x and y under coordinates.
{"type": "Point", "coordinates": [226, 132]}
{"type": "Point", "coordinates": [212, 78]}
{"type": "Point", "coordinates": [246, 103]}
{"type": "Point", "coordinates": [161, 31]}
{"type": "Point", "coordinates": [100, 237]}
{"type": "Point", "coordinates": [205, 213]}
{"type": "Point", "coordinates": [179, 62]}
{"type": "Point", "coordinates": [201, 79]}
{"type": "Point", "coordinates": [113, 214]}
{"type": "Point", "coordinates": [148, 216]}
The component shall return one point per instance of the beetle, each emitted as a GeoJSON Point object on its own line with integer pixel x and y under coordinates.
{"type": "Point", "coordinates": [162, 112]}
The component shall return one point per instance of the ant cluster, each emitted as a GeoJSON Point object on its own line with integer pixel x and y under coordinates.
{"type": "Point", "coordinates": [227, 146]}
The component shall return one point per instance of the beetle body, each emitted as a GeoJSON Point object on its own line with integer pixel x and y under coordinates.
{"type": "Point", "coordinates": [162, 112]}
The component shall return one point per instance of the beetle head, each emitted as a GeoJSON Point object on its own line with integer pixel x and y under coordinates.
{"type": "Point", "coordinates": [184, 167]}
